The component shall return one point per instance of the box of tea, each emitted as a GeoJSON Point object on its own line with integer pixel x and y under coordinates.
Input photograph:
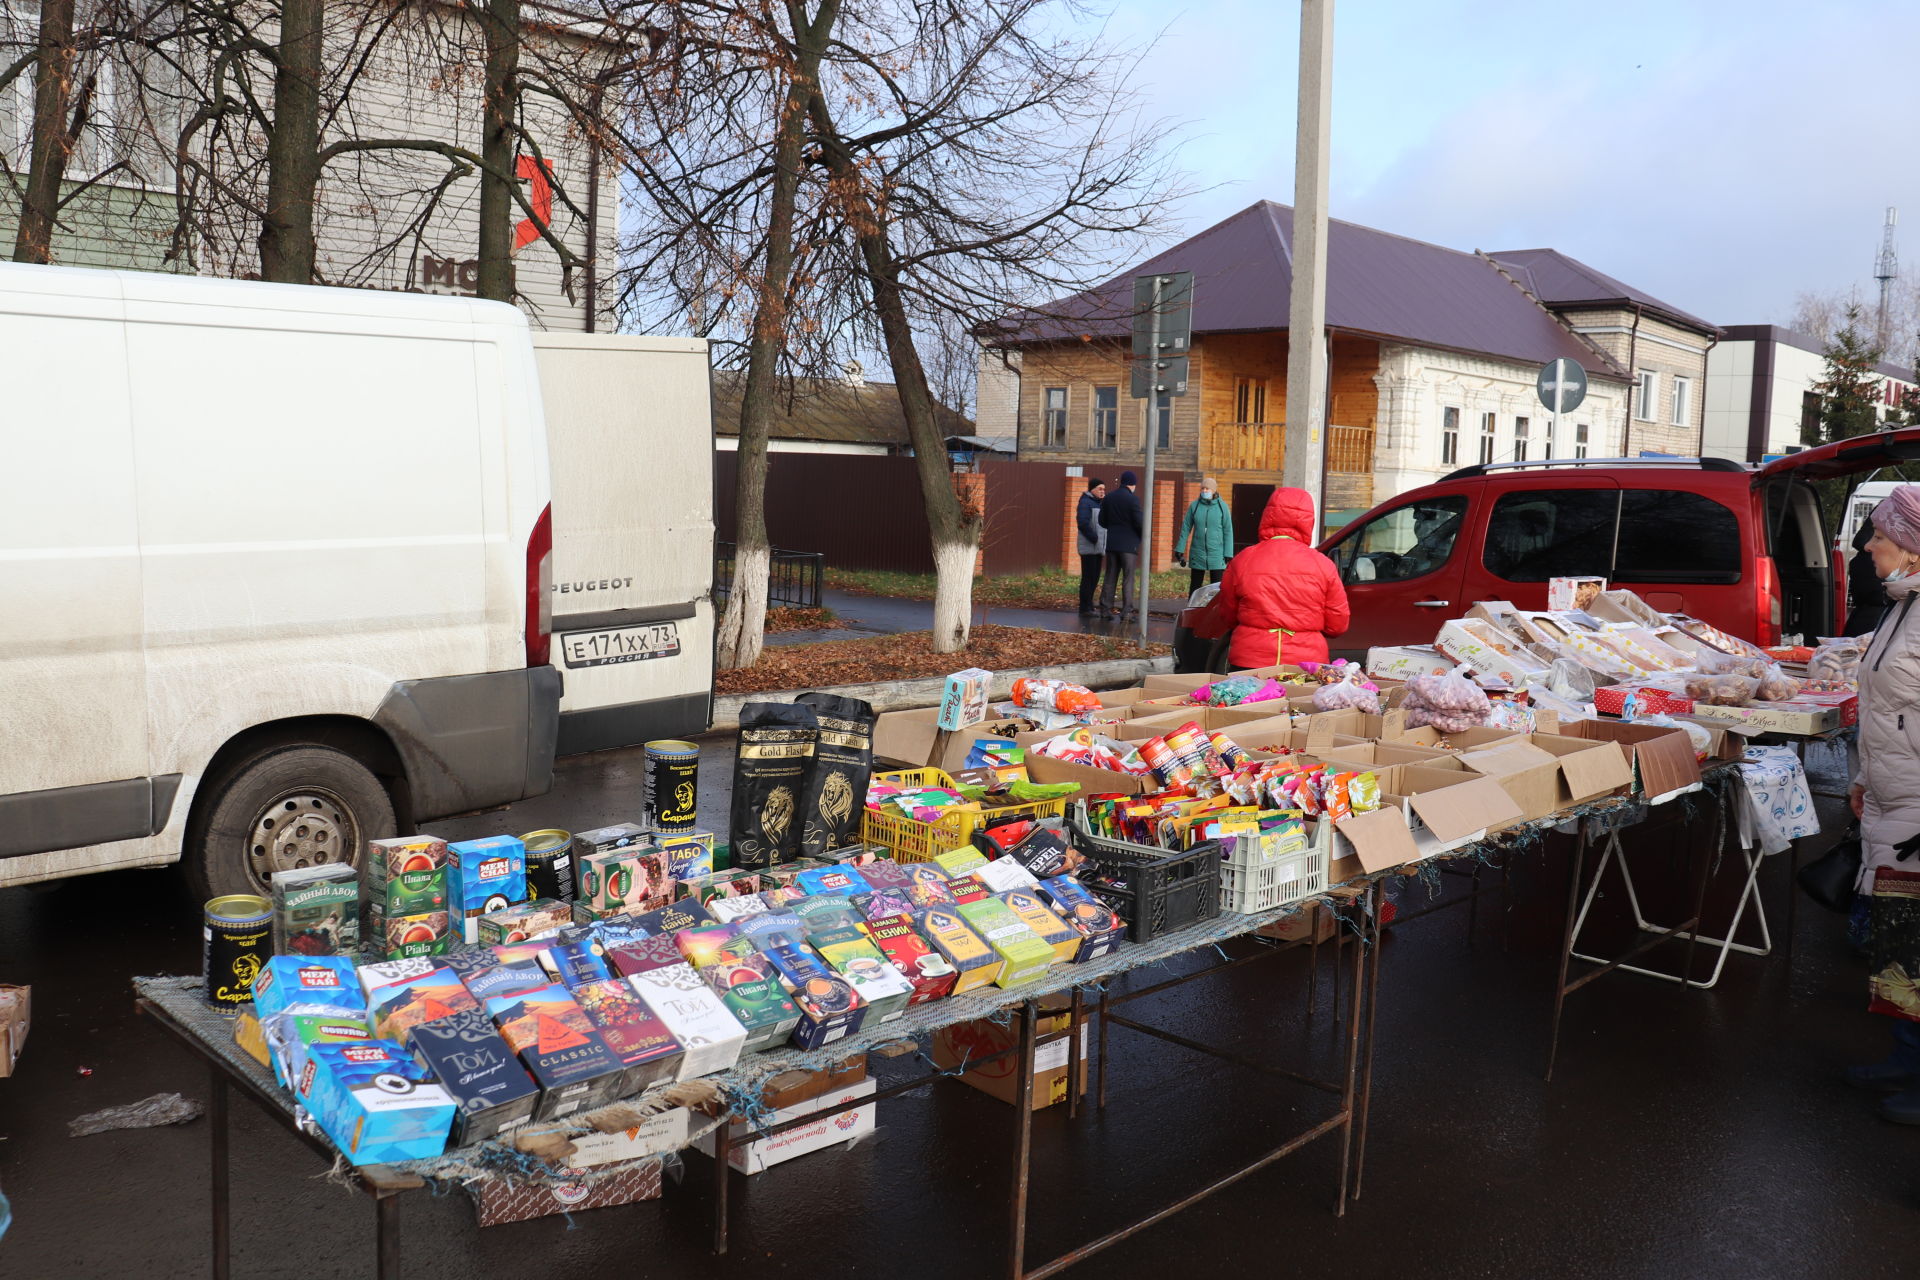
{"type": "Point", "coordinates": [752, 991]}
{"type": "Point", "coordinates": [429, 933]}
{"type": "Point", "coordinates": [316, 911]}
{"type": "Point", "coordinates": [405, 875]}
{"type": "Point", "coordinates": [842, 882]}
{"type": "Point", "coordinates": [673, 917]}
{"type": "Point", "coordinates": [523, 922]}
{"type": "Point", "coordinates": [1026, 956]}
{"type": "Point", "coordinates": [689, 854]}
{"type": "Point", "coordinates": [327, 981]}
{"type": "Point", "coordinates": [399, 1008]}
{"type": "Point", "coordinates": [1099, 924]}
{"type": "Point", "coordinates": [851, 954]}
{"type": "Point", "coordinates": [492, 1091]}
{"type": "Point", "coordinates": [577, 956]}
{"type": "Point", "coordinates": [1048, 927]}
{"type": "Point", "coordinates": [560, 1049]}
{"type": "Point", "coordinates": [374, 1102]}
{"type": "Point", "coordinates": [931, 975]}
{"type": "Point", "coordinates": [484, 876]}
{"type": "Point", "coordinates": [383, 973]}
{"type": "Point", "coordinates": [288, 1033]}
{"type": "Point", "coordinates": [974, 962]}
{"type": "Point", "coordinates": [712, 1036]}
{"type": "Point", "coordinates": [634, 1032]}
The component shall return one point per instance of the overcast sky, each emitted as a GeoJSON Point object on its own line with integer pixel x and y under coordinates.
{"type": "Point", "coordinates": [1721, 155]}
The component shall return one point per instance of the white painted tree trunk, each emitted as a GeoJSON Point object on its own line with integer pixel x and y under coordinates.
{"type": "Point", "coordinates": [743, 627]}
{"type": "Point", "coordinates": [952, 595]}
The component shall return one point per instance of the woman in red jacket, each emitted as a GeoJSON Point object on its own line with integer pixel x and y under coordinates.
{"type": "Point", "coordinates": [1281, 597]}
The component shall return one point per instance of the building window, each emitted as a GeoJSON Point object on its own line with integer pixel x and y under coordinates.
{"type": "Point", "coordinates": [1163, 419]}
{"type": "Point", "coordinates": [1647, 397]}
{"type": "Point", "coordinates": [1486, 438]}
{"type": "Point", "coordinates": [1449, 437]}
{"type": "Point", "coordinates": [1056, 424]}
{"type": "Point", "coordinates": [1580, 440]}
{"type": "Point", "coordinates": [1682, 400]}
{"type": "Point", "coordinates": [1106, 417]}
{"type": "Point", "coordinates": [1250, 399]}
{"type": "Point", "coordinates": [1550, 441]}
{"type": "Point", "coordinates": [1520, 442]}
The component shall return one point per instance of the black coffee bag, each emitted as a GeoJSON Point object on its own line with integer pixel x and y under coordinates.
{"type": "Point", "coordinates": [772, 770]}
{"type": "Point", "coordinates": [843, 761]}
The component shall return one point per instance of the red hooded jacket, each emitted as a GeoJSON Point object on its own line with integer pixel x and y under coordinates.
{"type": "Point", "coordinates": [1282, 597]}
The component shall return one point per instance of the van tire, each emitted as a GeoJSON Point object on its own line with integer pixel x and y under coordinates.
{"type": "Point", "coordinates": [351, 805]}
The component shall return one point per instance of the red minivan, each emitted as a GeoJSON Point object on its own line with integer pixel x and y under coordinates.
{"type": "Point", "coordinates": [1744, 548]}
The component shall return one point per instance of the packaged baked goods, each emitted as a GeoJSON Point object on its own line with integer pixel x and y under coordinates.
{"type": "Point", "coordinates": [1835, 665]}
{"type": "Point", "coordinates": [1722, 690]}
{"type": "Point", "coordinates": [1776, 685]}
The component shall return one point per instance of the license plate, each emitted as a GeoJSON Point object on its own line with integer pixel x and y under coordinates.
{"type": "Point", "coordinates": [620, 644]}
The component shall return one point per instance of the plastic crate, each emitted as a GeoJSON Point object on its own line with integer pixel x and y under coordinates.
{"type": "Point", "coordinates": [1158, 891]}
{"type": "Point", "coordinates": [1256, 877]}
{"type": "Point", "coordinates": [914, 841]}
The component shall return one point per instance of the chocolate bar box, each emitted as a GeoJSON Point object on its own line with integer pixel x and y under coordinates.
{"type": "Point", "coordinates": [559, 1047]}
{"type": "Point", "coordinates": [492, 1090]}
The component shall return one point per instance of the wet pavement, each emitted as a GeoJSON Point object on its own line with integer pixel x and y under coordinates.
{"type": "Point", "coordinates": [1686, 1133]}
{"type": "Point", "coordinates": [884, 614]}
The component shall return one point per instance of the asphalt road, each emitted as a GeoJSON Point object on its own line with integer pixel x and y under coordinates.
{"type": "Point", "coordinates": [1687, 1133]}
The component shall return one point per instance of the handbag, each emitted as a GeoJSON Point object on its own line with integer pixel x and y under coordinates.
{"type": "Point", "coordinates": [1829, 879]}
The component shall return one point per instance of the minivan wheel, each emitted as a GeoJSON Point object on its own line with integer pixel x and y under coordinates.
{"type": "Point", "coordinates": [286, 807]}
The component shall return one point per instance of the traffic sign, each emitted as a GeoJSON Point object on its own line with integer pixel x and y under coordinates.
{"type": "Point", "coordinates": [1562, 385]}
{"type": "Point", "coordinates": [1166, 377]}
{"type": "Point", "coordinates": [1165, 297]}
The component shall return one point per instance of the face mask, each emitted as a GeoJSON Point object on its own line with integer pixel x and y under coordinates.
{"type": "Point", "coordinates": [1898, 574]}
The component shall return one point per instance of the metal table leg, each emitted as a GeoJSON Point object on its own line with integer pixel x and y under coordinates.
{"type": "Point", "coordinates": [1369, 902]}
{"type": "Point", "coordinates": [1023, 1140]}
{"type": "Point", "coordinates": [386, 1210]}
{"type": "Point", "coordinates": [1073, 1056]}
{"type": "Point", "coordinates": [218, 1183]}
{"type": "Point", "coordinates": [1566, 943]}
{"type": "Point", "coordinates": [1100, 1067]}
{"type": "Point", "coordinates": [1374, 960]}
{"type": "Point", "coordinates": [722, 1158]}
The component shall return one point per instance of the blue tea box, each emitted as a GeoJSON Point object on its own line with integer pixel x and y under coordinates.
{"type": "Point", "coordinates": [577, 957]}
{"type": "Point", "coordinates": [830, 1008]}
{"type": "Point", "coordinates": [837, 882]}
{"type": "Point", "coordinates": [375, 1102]}
{"type": "Point", "coordinates": [480, 1071]}
{"type": "Point", "coordinates": [327, 981]}
{"type": "Point", "coordinates": [484, 876]}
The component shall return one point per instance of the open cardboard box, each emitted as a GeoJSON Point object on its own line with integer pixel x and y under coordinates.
{"type": "Point", "coordinates": [1488, 650]}
{"type": "Point", "coordinates": [1398, 662]}
{"type": "Point", "coordinates": [1546, 772]}
{"type": "Point", "coordinates": [1209, 718]}
{"type": "Point", "coordinates": [911, 739]}
{"type": "Point", "coordinates": [1159, 686]}
{"type": "Point", "coordinates": [1279, 672]}
{"type": "Point", "coordinates": [1447, 808]}
{"type": "Point", "coordinates": [1663, 761]}
{"type": "Point", "coordinates": [1092, 782]}
{"type": "Point", "coordinates": [1361, 753]}
{"type": "Point", "coordinates": [1724, 746]}
{"type": "Point", "coordinates": [1372, 842]}
{"type": "Point", "coordinates": [1389, 726]}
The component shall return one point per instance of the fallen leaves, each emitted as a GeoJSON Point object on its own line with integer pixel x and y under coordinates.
{"type": "Point", "coordinates": [910, 656]}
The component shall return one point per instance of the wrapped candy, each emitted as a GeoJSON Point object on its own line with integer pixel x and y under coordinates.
{"type": "Point", "coordinates": [1450, 703]}
{"type": "Point", "coordinates": [1054, 695]}
{"type": "Point", "coordinates": [1351, 691]}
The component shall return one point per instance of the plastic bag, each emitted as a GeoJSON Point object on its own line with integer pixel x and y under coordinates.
{"type": "Point", "coordinates": [149, 1113]}
{"type": "Point", "coordinates": [1722, 690]}
{"type": "Point", "coordinates": [1697, 734]}
{"type": "Point", "coordinates": [1714, 663]}
{"type": "Point", "coordinates": [1349, 688]}
{"type": "Point", "coordinates": [1450, 703]}
{"type": "Point", "coordinates": [1835, 665]}
{"type": "Point", "coordinates": [1054, 695]}
{"type": "Point", "coordinates": [1776, 685]}
{"type": "Point", "coordinates": [1569, 680]}
{"type": "Point", "coordinates": [1511, 713]}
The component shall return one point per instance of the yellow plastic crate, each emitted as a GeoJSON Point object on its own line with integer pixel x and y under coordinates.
{"type": "Point", "coordinates": [914, 841]}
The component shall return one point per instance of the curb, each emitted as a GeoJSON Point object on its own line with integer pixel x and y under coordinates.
{"type": "Point", "coordinates": [905, 695]}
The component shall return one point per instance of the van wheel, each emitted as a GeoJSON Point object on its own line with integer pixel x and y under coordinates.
{"type": "Point", "coordinates": [282, 808]}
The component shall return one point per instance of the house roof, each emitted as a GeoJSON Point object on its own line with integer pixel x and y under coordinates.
{"type": "Point", "coordinates": [1565, 283]}
{"type": "Point", "coordinates": [1786, 337]}
{"type": "Point", "coordinates": [835, 410]}
{"type": "Point", "coordinates": [1378, 284]}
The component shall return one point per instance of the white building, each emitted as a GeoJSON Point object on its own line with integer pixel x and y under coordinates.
{"type": "Point", "coordinates": [1760, 399]}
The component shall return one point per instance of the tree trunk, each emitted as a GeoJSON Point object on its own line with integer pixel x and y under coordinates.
{"type": "Point", "coordinates": [501, 25]}
{"type": "Point", "coordinates": [53, 136]}
{"type": "Point", "coordinates": [287, 251]}
{"type": "Point", "coordinates": [954, 531]}
{"type": "Point", "coordinates": [743, 626]}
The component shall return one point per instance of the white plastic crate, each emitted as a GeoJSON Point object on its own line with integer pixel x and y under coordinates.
{"type": "Point", "coordinates": [1256, 876]}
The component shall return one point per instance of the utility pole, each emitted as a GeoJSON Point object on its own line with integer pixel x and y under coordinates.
{"type": "Point", "coordinates": [1307, 314]}
{"type": "Point", "coordinates": [1886, 268]}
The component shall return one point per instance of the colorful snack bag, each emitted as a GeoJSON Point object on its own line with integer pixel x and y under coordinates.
{"type": "Point", "coordinates": [1364, 792]}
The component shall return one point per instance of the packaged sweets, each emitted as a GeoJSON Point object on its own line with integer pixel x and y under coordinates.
{"type": "Point", "coordinates": [772, 767]}
{"type": "Point", "coordinates": [316, 911]}
{"type": "Point", "coordinates": [965, 700]}
{"type": "Point", "coordinates": [1364, 792]}
{"type": "Point", "coordinates": [842, 762]}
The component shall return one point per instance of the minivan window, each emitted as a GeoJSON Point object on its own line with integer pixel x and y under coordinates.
{"type": "Point", "coordinates": [1667, 535]}
{"type": "Point", "coordinates": [1537, 534]}
{"type": "Point", "coordinates": [1406, 542]}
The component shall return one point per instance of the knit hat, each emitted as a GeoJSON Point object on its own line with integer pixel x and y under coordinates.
{"type": "Point", "coordinates": [1127, 477]}
{"type": "Point", "coordinates": [1897, 518]}
{"type": "Point", "coordinates": [1094, 482]}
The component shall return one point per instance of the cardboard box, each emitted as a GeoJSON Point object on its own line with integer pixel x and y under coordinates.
{"type": "Point", "coordinates": [750, 1154]}
{"type": "Point", "coordinates": [1048, 771]}
{"type": "Point", "coordinates": [1489, 651]}
{"type": "Point", "coordinates": [1113, 699]}
{"type": "Point", "coordinates": [1446, 809]}
{"type": "Point", "coordinates": [1800, 717]}
{"type": "Point", "coordinates": [1545, 773]}
{"type": "Point", "coordinates": [560, 1049]}
{"type": "Point", "coordinates": [1574, 593]}
{"type": "Point", "coordinates": [791, 1088]}
{"type": "Point", "coordinates": [374, 1102]}
{"type": "Point", "coordinates": [1398, 662]}
{"type": "Point", "coordinates": [490, 1089]}
{"type": "Point", "coordinates": [484, 876]}
{"type": "Point", "coordinates": [913, 739]}
{"type": "Point", "coordinates": [1160, 686]}
{"type": "Point", "coordinates": [633, 1032]}
{"type": "Point", "coordinates": [968, 1041]}
{"type": "Point", "coordinates": [1377, 841]}
{"type": "Point", "coordinates": [1208, 718]}
{"type": "Point", "coordinates": [1312, 923]}
{"type": "Point", "coordinates": [660, 1132]}
{"type": "Point", "coordinates": [499, 1200]}
{"type": "Point", "coordinates": [1361, 754]}
{"type": "Point", "coordinates": [1664, 765]}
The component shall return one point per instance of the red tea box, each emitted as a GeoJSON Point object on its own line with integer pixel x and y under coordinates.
{"type": "Point", "coordinates": [559, 1047]}
{"type": "Point", "coordinates": [932, 977]}
{"type": "Point", "coordinates": [636, 1036]}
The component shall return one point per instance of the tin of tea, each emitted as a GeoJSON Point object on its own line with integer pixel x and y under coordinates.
{"type": "Point", "coordinates": [673, 784]}
{"type": "Point", "coordinates": [549, 864]}
{"type": "Point", "coordinates": [237, 939]}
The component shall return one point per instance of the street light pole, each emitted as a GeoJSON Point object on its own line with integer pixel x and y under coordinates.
{"type": "Point", "coordinates": [1307, 315]}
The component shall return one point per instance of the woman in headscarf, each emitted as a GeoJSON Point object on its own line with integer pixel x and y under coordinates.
{"type": "Point", "coordinates": [1205, 541]}
{"type": "Point", "coordinates": [1886, 798]}
{"type": "Point", "coordinates": [1281, 597]}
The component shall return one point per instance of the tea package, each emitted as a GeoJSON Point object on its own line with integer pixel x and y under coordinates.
{"type": "Point", "coordinates": [842, 763]}
{"type": "Point", "coordinates": [771, 772]}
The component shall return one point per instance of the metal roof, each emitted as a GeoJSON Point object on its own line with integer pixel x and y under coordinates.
{"type": "Point", "coordinates": [1378, 284]}
{"type": "Point", "coordinates": [1564, 283]}
{"type": "Point", "coordinates": [830, 409]}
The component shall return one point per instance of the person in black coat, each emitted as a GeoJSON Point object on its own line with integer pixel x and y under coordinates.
{"type": "Point", "coordinates": [1092, 541]}
{"type": "Point", "coordinates": [1867, 598]}
{"type": "Point", "coordinates": [1120, 517]}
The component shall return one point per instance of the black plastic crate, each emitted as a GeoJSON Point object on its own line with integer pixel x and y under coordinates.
{"type": "Point", "coordinates": [1155, 892]}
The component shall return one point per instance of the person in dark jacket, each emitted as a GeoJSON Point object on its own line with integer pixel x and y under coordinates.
{"type": "Point", "coordinates": [1867, 598]}
{"type": "Point", "coordinates": [1091, 541]}
{"type": "Point", "coordinates": [1120, 517]}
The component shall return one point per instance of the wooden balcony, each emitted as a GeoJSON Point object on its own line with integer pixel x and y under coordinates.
{"type": "Point", "coordinates": [1262, 447]}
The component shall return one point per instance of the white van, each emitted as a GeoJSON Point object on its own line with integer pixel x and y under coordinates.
{"type": "Point", "coordinates": [273, 571]}
{"type": "Point", "coordinates": [630, 434]}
